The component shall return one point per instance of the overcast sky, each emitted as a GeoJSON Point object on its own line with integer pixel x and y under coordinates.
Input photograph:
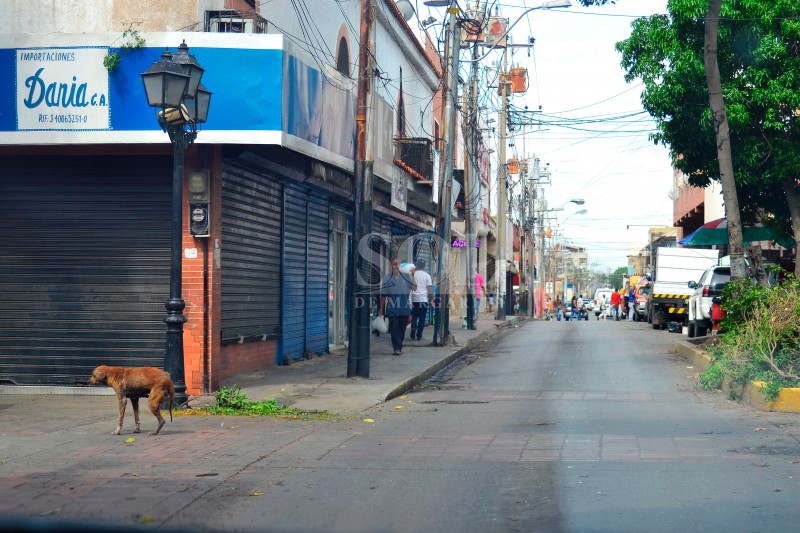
{"type": "Point", "coordinates": [608, 161]}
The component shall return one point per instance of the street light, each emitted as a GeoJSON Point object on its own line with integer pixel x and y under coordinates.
{"type": "Point", "coordinates": [553, 4]}
{"type": "Point", "coordinates": [173, 87]}
{"type": "Point", "coordinates": [581, 212]}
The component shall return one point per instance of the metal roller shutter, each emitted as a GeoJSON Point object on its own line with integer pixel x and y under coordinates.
{"type": "Point", "coordinates": [295, 268]}
{"type": "Point", "coordinates": [305, 274]}
{"type": "Point", "coordinates": [317, 308]}
{"type": "Point", "coordinates": [251, 255]}
{"type": "Point", "coordinates": [84, 265]}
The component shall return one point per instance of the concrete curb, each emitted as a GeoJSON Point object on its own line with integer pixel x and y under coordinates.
{"type": "Point", "coordinates": [788, 400]}
{"type": "Point", "coordinates": [436, 367]}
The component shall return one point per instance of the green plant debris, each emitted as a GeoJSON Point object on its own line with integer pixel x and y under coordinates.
{"type": "Point", "coordinates": [761, 340]}
{"type": "Point", "coordinates": [233, 402]}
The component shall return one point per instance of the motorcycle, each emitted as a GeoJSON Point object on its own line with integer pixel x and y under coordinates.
{"type": "Point", "coordinates": [601, 310]}
{"type": "Point", "coordinates": [583, 313]}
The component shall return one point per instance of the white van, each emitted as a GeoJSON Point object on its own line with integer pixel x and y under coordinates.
{"type": "Point", "coordinates": [602, 302]}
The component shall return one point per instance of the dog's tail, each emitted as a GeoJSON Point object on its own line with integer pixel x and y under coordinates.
{"type": "Point", "coordinates": [171, 399]}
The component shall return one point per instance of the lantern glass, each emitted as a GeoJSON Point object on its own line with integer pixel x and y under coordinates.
{"type": "Point", "coordinates": [198, 107]}
{"type": "Point", "coordinates": [165, 83]}
{"type": "Point", "coordinates": [190, 67]}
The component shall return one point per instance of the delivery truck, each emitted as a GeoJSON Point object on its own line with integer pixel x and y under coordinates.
{"type": "Point", "coordinates": [674, 269]}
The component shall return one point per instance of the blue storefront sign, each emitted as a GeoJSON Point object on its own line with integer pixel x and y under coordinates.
{"type": "Point", "coordinates": [54, 89]}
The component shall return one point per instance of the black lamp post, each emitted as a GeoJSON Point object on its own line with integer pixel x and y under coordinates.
{"type": "Point", "coordinates": [173, 87]}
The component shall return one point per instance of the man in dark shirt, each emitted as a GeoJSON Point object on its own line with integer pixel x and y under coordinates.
{"type": "Point", "coordinates": [396, 303]}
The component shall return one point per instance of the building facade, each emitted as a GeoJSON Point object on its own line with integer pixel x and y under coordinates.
{"type": "Point", "coordinates": [86, 182]}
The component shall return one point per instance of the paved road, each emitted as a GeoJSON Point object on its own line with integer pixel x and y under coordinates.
{"type": "Point", "coordinates": [589, 426]}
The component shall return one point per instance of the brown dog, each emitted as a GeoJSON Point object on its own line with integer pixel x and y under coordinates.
{"type": "Point", "coordinates": [135, 383]}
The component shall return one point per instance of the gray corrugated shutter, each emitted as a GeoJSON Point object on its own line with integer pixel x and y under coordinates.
{"type": "Point", "coordinates": [251, 255]}
{"type": "Point", "coordinates": [84, 265]}
{"type": "Point", "coordinates": [317, 307]}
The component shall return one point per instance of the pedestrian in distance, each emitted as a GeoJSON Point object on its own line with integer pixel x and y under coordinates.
{"type": "Point", "coordinates": [615, 300]}
{"type": "Point", "coordinates": [631, 303]}
{"type": "Point", "coordinates": [420, 300]}
{"type": "Point", "coordinates": [559, 305]}
{"type": "Point", "coordinates": [396, 303]}
{"type": "Point", "coordinates": [479, 286]}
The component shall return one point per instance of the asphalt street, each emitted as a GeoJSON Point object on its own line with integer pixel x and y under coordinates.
{"type": "Point", "coordinates": [552, 426]}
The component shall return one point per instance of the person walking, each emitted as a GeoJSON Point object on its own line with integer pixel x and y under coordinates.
{"type": "Point", "coordinates": [559, 305]}
{"type": "Point", "coordinates": [420, 300]}
{"type": "Point", "coordinates": [631, 303]}
{"type": "Point", "coordinates": [396, 303]}
{"type": "Point", "coordinates": [615, 299]}
{"type": "Point", "coordinates": [479, 286]}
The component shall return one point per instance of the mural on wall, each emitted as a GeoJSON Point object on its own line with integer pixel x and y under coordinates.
{"type": "Point", "coordinates": [318, 108]}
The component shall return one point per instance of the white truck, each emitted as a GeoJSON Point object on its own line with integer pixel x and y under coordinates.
{"type": "Point", "coordinates": [675, 268]}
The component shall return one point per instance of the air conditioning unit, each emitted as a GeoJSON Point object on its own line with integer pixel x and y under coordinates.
{"type": "Point", "coordinates": [235, 22]}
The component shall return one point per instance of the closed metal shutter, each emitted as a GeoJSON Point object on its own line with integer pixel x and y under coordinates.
{"type": "Point", "coordinates": [318, 298]}
{"type": "Point", "coordinates": [305, 269]}
{"type": "Point", "coordinates": [84, 265]}
{"type": "Point", "coordinates": [251, 255]}
{"type": "Point", "coordinates": [295, 269]}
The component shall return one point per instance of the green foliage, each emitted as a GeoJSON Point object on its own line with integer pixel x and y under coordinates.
{"type": "Point", "coordinates": [233, 402]}
{"type": "Point", "coordinates": [615, 279]}
{"type": "Point", "coordinates": [759, 62]}
{"type": "Point", "coordinates": [771, 389]}
{"type": "Point", "coordinates": [711, 379]}
{"type": "Point", "coordinates": [761, 340]}
{"type": "Point", "coordinates": [132, 40]}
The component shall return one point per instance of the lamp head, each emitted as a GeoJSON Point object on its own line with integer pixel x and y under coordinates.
{"type": "Point", "coordinates": [554, 4]}
{"type": "Point", "coordinates": [406, 9]}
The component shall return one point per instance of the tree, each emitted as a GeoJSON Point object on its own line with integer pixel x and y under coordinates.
{"type": "Point", "coordinates": [722, 134]}
{"type": "Point", "coordinates": [617, 278]}
{"type": "Point", "coordinates": [758, 61]}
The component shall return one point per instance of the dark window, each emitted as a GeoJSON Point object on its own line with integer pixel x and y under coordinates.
{"type": "Point", "coordinates": [343, 58]}
{"type": "Point", "coordinates": [401, 110]}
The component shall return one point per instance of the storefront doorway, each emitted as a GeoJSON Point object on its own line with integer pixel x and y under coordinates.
{"type": "Point", "coordinates": [338, 293]}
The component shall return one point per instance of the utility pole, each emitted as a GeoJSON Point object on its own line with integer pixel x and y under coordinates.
{"type": "Point", "coordinates": [470, 182]}
{"type": "Point", "coordinates": [359, 326]}
{"type": "Point", "coordinates": [502, 173]}
{"type": "Point", "coordinates": [535, 281]}
{"type": "Point", "coordinates": [441, 329]}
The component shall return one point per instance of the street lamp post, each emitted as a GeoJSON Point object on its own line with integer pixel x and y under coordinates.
{"type": "Point", "coordinates": [173, 87]}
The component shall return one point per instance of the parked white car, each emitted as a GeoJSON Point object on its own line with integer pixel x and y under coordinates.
{"type": "Point", "coordinates": [706, 288]}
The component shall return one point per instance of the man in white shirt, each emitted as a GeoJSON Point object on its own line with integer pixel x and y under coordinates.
{"type": "Point", "coordinates": [420, 300]}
